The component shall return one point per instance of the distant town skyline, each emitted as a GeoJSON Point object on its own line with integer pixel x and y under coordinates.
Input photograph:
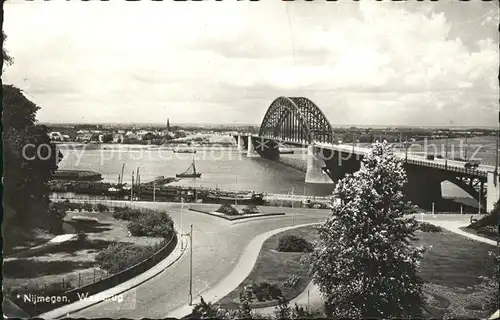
{"type": "Point", "coordinates": [363, 63]}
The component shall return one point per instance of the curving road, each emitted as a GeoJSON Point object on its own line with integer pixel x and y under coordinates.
{"type": "Point", "coordinates": [217, 247]}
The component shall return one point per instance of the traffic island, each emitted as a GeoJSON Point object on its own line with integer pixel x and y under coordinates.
{"type": "Point", "coordinates": [278, 271]}
{"type": "Point", "coordinates": [232, 213]}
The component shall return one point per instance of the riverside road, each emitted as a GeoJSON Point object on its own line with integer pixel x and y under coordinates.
{"type": "Point", "coordinates": [218, 245]}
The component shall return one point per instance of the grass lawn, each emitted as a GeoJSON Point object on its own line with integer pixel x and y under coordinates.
{"type": "Point", "coordinates": [71, 263]}
{"type": "Point", "coordinates": [275, 268]}
{"type": "Point", "coordinates": [451, 267]}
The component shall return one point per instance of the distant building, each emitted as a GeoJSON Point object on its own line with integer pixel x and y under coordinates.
{"type": "Point", "coordinates": [56, 136]}
{"type": "Point", "coordinates": [84, 137]}
{"type": "Point", "coordinates": [168, 124]}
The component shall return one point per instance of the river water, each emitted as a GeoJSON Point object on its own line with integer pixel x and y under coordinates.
{"type": "Point", "coordinates": [226, 169]}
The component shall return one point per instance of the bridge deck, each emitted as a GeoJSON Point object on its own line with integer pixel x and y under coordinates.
{"type": "Point", "coordinates": [442, 164]}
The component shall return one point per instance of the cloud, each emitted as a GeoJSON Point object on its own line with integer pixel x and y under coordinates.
{"type": "Point", "coordinates": [362, 63]}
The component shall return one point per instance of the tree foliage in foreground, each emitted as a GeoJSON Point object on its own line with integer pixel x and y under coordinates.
{"type": "Point", "coordinates": [29, 162]}
{"type": "Point", "coordinates": [207, 310]}
{"type": "Point", "coordinates": [363, 262]}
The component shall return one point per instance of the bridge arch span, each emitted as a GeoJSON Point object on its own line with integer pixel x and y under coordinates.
{"type": "Point", "coordinates": [296, 119]}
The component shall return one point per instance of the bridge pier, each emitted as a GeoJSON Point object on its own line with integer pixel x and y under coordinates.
{"type": "Point", "coordinates": [339, 164]}
{"type": "Point", "coordinates": [240, 143]}
{"type": "Point", "coordinates": [251, 147]}
{"type": "Point", "coordinates": [492, 191]}
{"type": "Point", "coordinates": [316, 166]}
{"type": "Point", "coordinates": [267, 148]}
{"type": "Point", "coordinates": [422, 188]}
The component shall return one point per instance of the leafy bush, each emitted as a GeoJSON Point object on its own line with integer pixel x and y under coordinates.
{"type": "Point", "coordinates": [228, 209]}
{"type": "Point", "coordinates": [292, 281]}
{"type": "Point", "coordinates": [291, 243]}
{"type": "Point", "coordinates": [55, 217]}
{"type": "Point", "coordinates": [82, 237]}
{"type": "Point", "coordinates": [102, 208]}
{"type": "Point", "coordinates": [274, 291]}
{"type": "Point", "coordinates": [152, 224]}
{"type": "Point", "coordinates": [250, 209]}
{"type": "Point", "coordinates": [128, 214]}
{"type": "Point", "coordinates": [120, 256]}
{"type": "Point", "coordinates": [86, 206]}
{"type": "Point", "coordinates": [428, 227]}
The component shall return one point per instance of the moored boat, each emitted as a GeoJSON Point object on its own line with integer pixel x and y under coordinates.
{"type": "Point", "coordinates": [190, 172]}
{"type": "Point", "coordinates": [184, 151]}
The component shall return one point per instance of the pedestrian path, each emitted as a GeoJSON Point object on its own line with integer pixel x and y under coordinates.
{"type": "Point", "coordinates": [66, 310]}
{"type": "Point", "coordinates": [454, 226]}
{"type": "Point", "coordinates": [239, 274]}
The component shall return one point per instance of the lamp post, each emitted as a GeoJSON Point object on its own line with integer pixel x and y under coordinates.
{"type": "Point", "coordinates": [446, 154]}
{"type": "Point", "coordinates": [497, 151]}
{"type": "Point", "coordinates": [293, 215]}
{"type": "Point", "coordinates": [191, 266]}
{"type": "Point", "coordinates": [182, 230]}
{"type": "Point", "coordinates": [466, 147]}
{"type": "Point", "coordinates": [353, 140]}
{"type": "Point", "coordinates": [132, 188]}
{"type": "Point", "coordinates": [406, 151]}
{"type": "Point", "coordinates": [479, 199]}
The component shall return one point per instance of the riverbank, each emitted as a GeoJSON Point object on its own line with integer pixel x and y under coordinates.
{"type": "Point", "coordinates": [117, 147]}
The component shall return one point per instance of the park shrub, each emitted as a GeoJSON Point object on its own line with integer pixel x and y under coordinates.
{"type": "Point", "coordinates": [429, 227]}
{"type": "Point", "coordinates": [292, 281]}
{"type": "Point", "coordinates": [102, 208]}
{"type": "Point", "coordinates": [128, 214]}
{"type": "Point", "coordinates": [228, 209]}
{"type": "Point", "coordinates": [55, 217]}
{"type": "Point", "coordinates": [120, 256]}
{"type": "Point", "coordinates": [152, 224]}
{"type": "Point", "coordinates": [86, 206]}
{"type": "Point", "coordinates": [82, 237]}
{"type": "Point", "coordinates": [292, 243]}
{"type": "Point", "coordinates": [250, 209]}
{"type": "Point", "coordinates": [274, 291]}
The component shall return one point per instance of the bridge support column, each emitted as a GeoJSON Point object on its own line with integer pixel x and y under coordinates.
{"type": "Point", "coordinates": [251, 148]}
{"type": "Point", "coordinates": [492, 191]}
{"type": "Point", "coordinates": [315, 166]}
{"type": "Point", "coordinates": [266, 148]}
{"type": "Point", "coordinates": [422, 188]}
{"type": "Point", "coordinates": [240, 143]}
{"type": "Point", "coordinates": [339, 163]}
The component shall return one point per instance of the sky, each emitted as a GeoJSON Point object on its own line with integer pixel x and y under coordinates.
{"type": "Point", "coordinates": [362, 63]}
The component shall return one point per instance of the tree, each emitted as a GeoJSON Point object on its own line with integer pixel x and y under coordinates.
{"type": "Point", "coordinates": [29, 161]}
{"type": "Point", "coordinates": [6, 58]}
{"type": "Point", "coordinates": [362, 261]}
{"type": "Point", "coordinates": [107, 138]}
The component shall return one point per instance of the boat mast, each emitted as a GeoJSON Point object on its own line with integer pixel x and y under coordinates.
{"type": "Point", "coordinates": [194, 167]}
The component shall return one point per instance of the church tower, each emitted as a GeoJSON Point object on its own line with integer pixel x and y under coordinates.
{"type": "Point", "coordinates": [168, 124]}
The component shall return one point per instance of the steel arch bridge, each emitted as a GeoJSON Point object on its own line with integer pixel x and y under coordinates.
{"type": "Point", "coordinates": [296, 119]}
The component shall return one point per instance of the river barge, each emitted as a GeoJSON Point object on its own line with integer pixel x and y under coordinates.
{"type": "Point", "coordinates": [76, 175]}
